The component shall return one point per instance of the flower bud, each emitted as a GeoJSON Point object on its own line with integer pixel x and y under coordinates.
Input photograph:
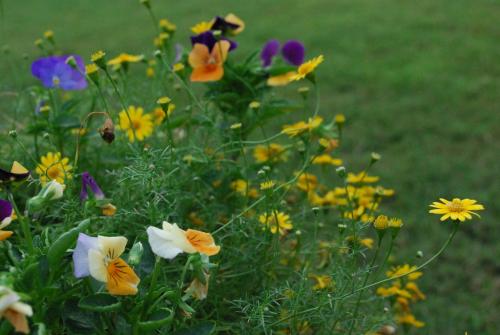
{"type": "Point", "coordinates": [164, 103]}
{"type": "Point", "coordinates": [339, 119]}
{"type": "Point", "coordinates": [107, 131]}
{"type": "Point", "coordinates": [71, 61]}
{"type": "Point", "coordinates": [108, 210]}
{"type": "Point", "coordinates": [92, 70]}
{"type": "Point", "coordinates": [51, 191]}
{"type": "Point", "coordinates": [341, 172]}
{"type": "Point", "coordinates": [145, 3]}
{"type": "Point", "coordinates": [99, 58]}
{"type": "Point", "coordinates": [135, 254]}
{"type": "Point", "coordinates": [13, 133]}
{"type": "Point", "coordinates": [375, 157]}
{"type": "Point", "coordinates": [381, 222]}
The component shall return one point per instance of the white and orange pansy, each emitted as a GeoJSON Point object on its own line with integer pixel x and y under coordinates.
{"type": "Point", "coordinates": [172, 240]}
{"type": "Point", "coordinates": [15, 311]}
{"type": "Point", "coordinates": [100, 258]}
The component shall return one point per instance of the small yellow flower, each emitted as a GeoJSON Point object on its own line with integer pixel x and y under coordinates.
{"type": "Point", "coordinates": [267, 185]}
{"type": "Point", "coordinates": [281, 80]}
{"type": "Point", "coordinates": [276, 222]}
{"type": "Point", "coordinates": [167, 25]}
{"type": "Point", "coordinates": [125, 58]}
{"type": "Point", "coordinates": [361, 177]}
{"type": "Point", "coordinates": [329, 144]}
{"type": "Point", "coordinates": [97, 56]}
{"type": "Point", "coordinates": [457, 209]}
{"type": "Point", "coordinates": [403, 270]}
{"type": "Point", "coordinates": [161, 39]}
{"type": "Point", "coordinates": [108, 210]}
{"type": "Point", "coordinates": [53, 167]}
{"type": "Point", "coordinates": [339, 118]}
{"type": "Point", "coordinates": [395, 223]}
{"type": "Point", "coordinates": [307, 182]}
{"type": "Point", "coordinates": [150, 72]}
{"type": "Point", "coordinates": [202, 27]}
{"type": "Point", "coordinates": [91, 68]}
{"type": "Point", "coordinates": [301, 126]}
{"type": "Point", "coordinates": [159, 114]}
{"type": "Point", "coordinates": [409, 319]}
{"type": "Point", "coordinates": [254, 105]}
{"type": "Point", "coordinates": [49, 34]}
{"type": "Point", "coordinates": [178, 67]}
{"type": "Point", "coordinates": [308, 67]}
{"type": "Point", "coordinates": [138, 126]}
{"type": "Point", "coordinates": [38, 42]}
{"type": "Point", "coordinates": [273, 152]}
{"type": "Point", "coordinates": [241, 186]}
{"type": "Point", "coordinates": [381, 222]}
{"type": "Point", "coordinates": [326, 159]}
{"type": "Point", "coordinates": [322, 281]}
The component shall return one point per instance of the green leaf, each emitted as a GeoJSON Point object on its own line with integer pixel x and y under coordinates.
{"type": "Point", "coordinates": [203, 328]}
{"type": "Point", "coordinates": [100, 302]}
{"type": "Point", "coordinates": [64, 242]}
{"type": "Point", "coordinates": [158, 319]}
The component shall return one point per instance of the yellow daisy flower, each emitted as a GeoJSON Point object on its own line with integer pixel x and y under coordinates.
{"type": "Point", "coordinates": [281, 79]}
{"type": "Point", "coordinates": [308, 67]}
{"type": "Point", "coordinates": [273, 152]}
{"type": "Point", "coordinates": [457, 209]}
{"type": "Point", "coordinates": [53, 167]}
{"type": "Point", "coordinates": [159, 114]}
{"type": "Point", "coordinates": [409, 319]}
{"type": "Point", "coordinates": [125, 58]}
{"type": "Point", "coordinates": [307, 182]}
{"type": "Point", "coordinates": [326, 159]}
{"type": "Point", "coordinates": [361, 177]}
{"type": "Point", "coordinates": [142, 125]}
{"type": "Point", "coordinates": [276, 222]}
{"type": "Point", "coordinates": [202, 27]}
{"type": "Point", "coordinates": [301, 126]}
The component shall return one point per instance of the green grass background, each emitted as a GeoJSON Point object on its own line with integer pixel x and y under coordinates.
{"type": "Point", "coordinates": [419, 82]}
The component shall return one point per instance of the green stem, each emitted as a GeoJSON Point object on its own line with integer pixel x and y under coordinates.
{"type": "Point", "coordinates": [24, 224]}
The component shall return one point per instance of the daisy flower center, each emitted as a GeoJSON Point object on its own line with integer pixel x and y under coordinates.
{"type": "Point", "coordinates": [136, 124]}
{"type": "Point", "coordinates": [53, 172]}
{"type": "Point", "coordinates": [455, 206]}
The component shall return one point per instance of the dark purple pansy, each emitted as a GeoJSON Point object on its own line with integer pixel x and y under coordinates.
{"type": "Point", "coordinates": [5, 210]}
{"type": "Point", "coordinates": [207, 38]}
{"type": "Point", "coordinates": [271, 49]}
{"type": "Point", "coordinates": [88, 182]}
{"type": "Point", "coordinates": [293, 52]}
{"type": "Point", "coordinates": [54, 72]}
{"type": "Point", "coordinates": [221, 24]}
{"type": "Point", "coordinates": [16, 173]}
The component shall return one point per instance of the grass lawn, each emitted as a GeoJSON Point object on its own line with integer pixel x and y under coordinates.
{"type": "Point", "coordinates": [418, 82]}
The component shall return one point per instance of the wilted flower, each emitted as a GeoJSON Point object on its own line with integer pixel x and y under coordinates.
{"type": "Point", "coordinates": [172, 240]}
{"type": "Point", "coordinates": [107, 131]}
{"type": "Point", "coordinates": [55, 72]}
{"type": "Point", "coordinates": [15, 311]}
{"type": "Point", "coordinates": [100, 258]}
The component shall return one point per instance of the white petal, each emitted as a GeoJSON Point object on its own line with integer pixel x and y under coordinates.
{"type": "Point", "coordinates": [7, 298]}
{"type": "Point", "coordinates": [161, 243]}
{"type": "Point", "coordinates": [97, 267]}
{"type": "Point", "coordinates": [22, 308]}
{"type": "Point", "coordinates": [5, 222]}
{"type": "Point", "coordinates": [178, 237]}
{"type": "Point", "coordinates": [112, 247]}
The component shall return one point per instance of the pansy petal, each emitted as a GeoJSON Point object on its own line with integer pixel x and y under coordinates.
{"type": "Point", "coordinates": [161, 243]}
{"type": "Point", "coordinates": [293, 52]}
{"type": "Point", "coordinates": [202, 242]}
{"type": "Point", "coordinates": [220, 50]}
{"type": "Point", "coordinates": [199, 55]}
{"type": "Point", "coordinates": [112, 247]}
{"type": "Point", "coordinates": [97, 267]}
{"type": "Point", "coordinates": [5, 210]}
{"type": "Point", "coordinates": [122, 279]}
{"type": "Point", "coordinates": [270, 50]}
{"type": "Point", "coordinates": [80, 254]}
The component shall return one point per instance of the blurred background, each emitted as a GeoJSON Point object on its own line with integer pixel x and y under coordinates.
{"type": "Point", "coordinates": [419, 83]}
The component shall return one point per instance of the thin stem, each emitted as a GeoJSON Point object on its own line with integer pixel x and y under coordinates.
{"type": "Point", "coordinates": [24, 224]}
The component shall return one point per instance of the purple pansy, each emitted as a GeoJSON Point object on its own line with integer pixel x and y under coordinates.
{"type": "Point", "coordinates": [53, 71]}
{"type": "Point", "coordinates": [293, 52]}
{"type": "Point", "coordinates": [81, 254]}
{"type": "Point", "coordinates": [221, 24]}
{"type": "Point", "coordinates": [5, 210]}
{"type": "Point", "coordinates": [207, 38]}
{"type": "Point", "coordinates": [271, 49]}
{"type": "Point", "coordinates": [89, 182]}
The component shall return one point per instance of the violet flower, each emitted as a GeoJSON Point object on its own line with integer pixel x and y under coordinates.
{"type": "Point", "coordinates": [293, 52]}
{"type": "Point", "coordinates": [53, 71]}
{"type": "Point", "coordinates": [89, 182]}
{"type": "Point", "coordinates": [271, 49]}
{"type": "Point", "coordinates": [207, 38]}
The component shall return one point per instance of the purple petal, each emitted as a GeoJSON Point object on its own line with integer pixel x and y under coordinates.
{"type": "Point", "coordinates": [293, 52]}
{"type": "Point", "coordinates": [54, 67]}
{"type": "Point", "coordinates": [207, 38]}
{"type": "Point", "coordinates": [80, 254]}
{"type": "Point", "coordinates": [5, 209]}
{"type": "Point", "coordinates": [270, 50]}
{"type": "Point", "coordinates": [233, 44]}
{"type": "Point", "coordinates": [89, 181]}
